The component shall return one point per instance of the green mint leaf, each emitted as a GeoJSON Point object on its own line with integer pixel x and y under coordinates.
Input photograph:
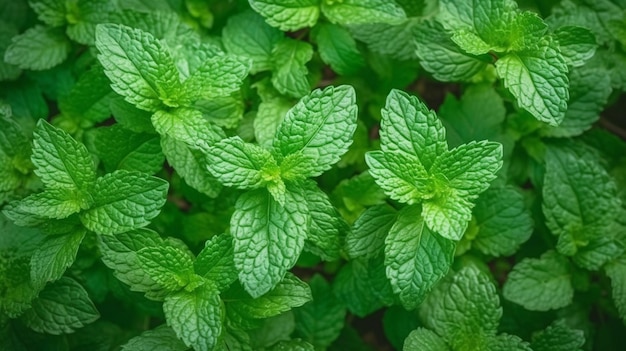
{"type": "Point", "coordinates": [246, 34]}
{"type": "Point", "coordinates": [187, 125]}
{"type": "Point", "coordinates": [415, 257]}
{"type": "Point", "coordinates": [598, 251]}
{"type": "Point", "coordinates": [190, 163]}
{"type": "Point", "coordinates": [120, 148]}
{"type": "Point", "coordinates": [52, 203]}
{"type": "Point", "coordinates": [320, 126]}
{"type": "Point", "coordinates": [61, 308]}
{"type": "Point", "coordinates": [363, 287]}
{"type": "Point", "coordinates": [443, 58]}
{"type": "Point", "coordinates": [15, 145]}
{"type": "Point", "coordinates": [289, 73]}
{"type": "Point", "coordinates": [88, 101]}
{"type": "Point", "coordinates": [236, 163]}
{"type": "Point", "coordinates": [54, 256]}
{"type": "Point", "coordinates": [17, 245]}
{"type": "Point", "coordinates": [7, 70]}
{"type": "Point", "coordinates": [119, 253]}
{"type": "Point", "coordinates": [540, 284]}
{"type": "Point", "coordinates": [577, 44]}
{"type": "Point", "coordinates": [320, 321]}
{"type": "Point", "coordinates": [478, 115]}
{"type": "Point", "coordinates": [215, 261]}
{"type": "Point", "coordinates": [337, 48]}
{"type": "Point", "coordinates": [60, 161]}
{"type": "Point", "coordinates": [289, 293]}
{"type": "Point", "coordinates": [558, 337]}
{"type": "Point", "coordinates": [469, 168]}
{"type": "Point", "coordinates": [268, 237]}
{"type": "Point", "coordinates": [483, 26]}
{"type": "Point", "coordinates": [616, 270]}
{"type": "Point", "coordinates": [348, 12]}
{"type": "Point", "coordinates": [224, 111]}
{"type": "Point", "coordinates": [288, 15]}
{"type": "Point", "coordinates": [424, 339]}
{"type": "Point", "coordinates": [595, 16]}
{"type": "Point", "coordinates": [196, 317]}
{"type": "Point", "coordinates": [292, 345]}
{"type": "Point", "coordinates": [271, 112]}
{"type": "Point", "coordinates": [503, 220]}
{"type": "Point", "coordinates": [326, 229]}
{"type": "Point", "coordinates": [139, 66]}
{"type": "Point", "coordinates": [130, 117]}
{"type": "Point", "coordinates": [124, 200]}
{"type": "Point", "coordinates": [409, 128]}
{"type": "Point", "coordinates": [358, 193]}
{"type": "Point", "coordinates": [505, 342]}
{"type": "Point", "coordinates": [367, 237]}
{"type": "Point", "coordinates": [468, 312]}
{"type": "Point", "coordinates": [51, 12]}
{"type": "Point", "coordinates": [394, 40]}
{"type": "Point", "coordinates": [466, 172]}
{"type": "Point", "coordinates": [579, 197]}
{"type": "Point", "coordinates": [39, 48]}
{"type": "Point", "coordinates": [161, 338]}
{"type": "Point", "coordinates": [168, 266]}
{"type": "Point", "coordinates": [590, 88]}
{"type": "Point", "coordinates": [538, 80]}
{"type": "Point", "coordinates": [217, 76]}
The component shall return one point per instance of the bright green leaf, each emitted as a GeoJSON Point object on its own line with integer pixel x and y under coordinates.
{"type": "Point", "coordinates": [236, 163]}
{"type": "Point", "coordinates": [168, 266]}
{"type": "Point", "coordinates": [196, 317]}
{"type": "Point", "coordinates": [268, 237]}
{"type": "Point", "coordinates": [215, 261]}
{"type": "Point", "coordinates": [320, 126]}
{"type": "Point", "coordinates": [411, 129]}
{"type": "Point", "coordinates": [415, 257]}
{"type": "Point", "coordinates": [139, 66]}
{"type": "Point", "coordinates": [124, 200]}
{"type": "Point", "coordinates": [538, 80]}
{"type": "Point", "coordinates": [288, 15]}
{"type": "Point", "coordinates": [349, 12]}
{"type": "Point", "coordinates": [60, 161]}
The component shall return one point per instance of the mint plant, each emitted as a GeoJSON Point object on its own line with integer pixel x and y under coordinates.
{"type": "Point", "coordinates": [312, 175]}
